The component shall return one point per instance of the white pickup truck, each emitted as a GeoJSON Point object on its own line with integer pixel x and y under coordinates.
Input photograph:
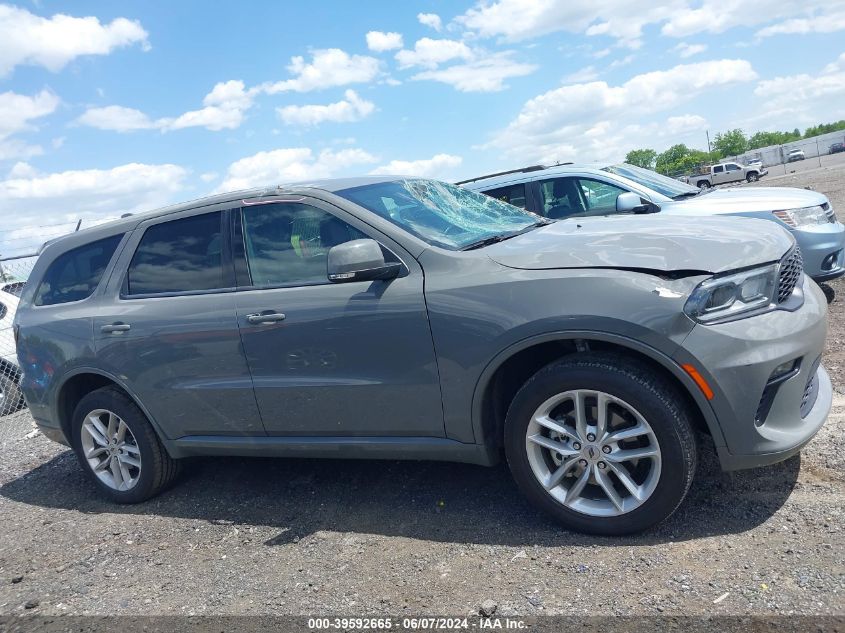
{"type": "Point", "coordinates": [726, 172]}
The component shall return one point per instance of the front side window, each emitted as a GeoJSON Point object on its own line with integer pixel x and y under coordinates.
{"type": "Point", "coordinates": [74, 275]}
{"type": "Point", "coordinates": [439, 213]}
{"type": "Point", "coordinates": [184, 255]}
{"type": "Point", "coordinates": [512, 194]}
{"type": "Point", "coordinates": [600, 197]}
{"type": "Point", "coordinates": [287, 244]}
{"type": "Point", "coordinates": [562, 198]}
{"type": "Point", "coordinates": [732, 167]}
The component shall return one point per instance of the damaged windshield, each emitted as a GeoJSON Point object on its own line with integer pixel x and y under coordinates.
{"type": "Point", "coordinates": [443, 214]}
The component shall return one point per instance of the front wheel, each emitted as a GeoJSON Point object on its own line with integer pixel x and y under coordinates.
{"type": "Point", "coordinates": [752, 177]}
{"type": "Point", "coordinates": [602, 443]}
{"type": "Point", "coordinates": [118, 448]}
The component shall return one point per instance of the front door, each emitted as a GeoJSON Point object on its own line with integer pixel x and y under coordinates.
{"type": "Point", "coordinates": [347, 359]}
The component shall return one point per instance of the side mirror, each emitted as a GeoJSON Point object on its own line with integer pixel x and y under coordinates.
{"type": "Point", "coordinates": [359, 260]}
{"type": "Point", "coordinates": [630, 202]}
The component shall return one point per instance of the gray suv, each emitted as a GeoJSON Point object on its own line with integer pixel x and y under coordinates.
{"type": "Point", "coordinates": [399, 318]}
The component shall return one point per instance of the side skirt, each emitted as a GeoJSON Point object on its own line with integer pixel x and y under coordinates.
{"type": "Point", "coordinates": [410, 448]}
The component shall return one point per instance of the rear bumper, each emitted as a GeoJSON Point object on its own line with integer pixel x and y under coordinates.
{"type": "Point", "coordinates": [738, 360]}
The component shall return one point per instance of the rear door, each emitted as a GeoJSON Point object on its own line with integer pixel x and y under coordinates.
{"type": "Point", "coordinates": [346, 359]}
{"type": "Point", "coordinates": [719, 175]}
{"type": "Point", "coordinates": [167, 327]}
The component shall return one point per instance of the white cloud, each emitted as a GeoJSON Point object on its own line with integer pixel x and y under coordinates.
{"type": "Point", "coordinates": [379, 41]}
{"type": "Point", "coordinates": [290, 165]}
{"type": "Point", "coordinates": [17, 112]}
{"type": "Point", "coordinates": [351, 108]}
{"type": "Point", "coordinates": [53, 42]}
{"type": "Point", "coordinates": [439, 165]}
{"type": "Point", "coordinates": [685, 50]}
{"type": "Point", "coordinates": [487, 74]}
{"type": "Point", "coordinates": [328, 68]}
{"type": "Point", "coordinates": [209, 176]}
{"type": "Point", "coordinates": [802, 26]}
{"type": "Point", "coordinates": [588, 73]}
{"type": "Point", "coordinates": [804, 99]}
{"type": "Point", "coordinates": [225, 108]}
{"type": "Point", "coordinates": [117, 118]}
{"type": "Point", "coordinates": [429, 53]}
{"type": "Point", "coordinates": [624, 20]}
{"type": "Point", "coordinates": [624, 61]}
{"type": "Point", "coordinates": [29, 198]}
{"type": "Point", "coordinates": [430, 19]}
{"type": "Point", "coordinates": [588, 121]}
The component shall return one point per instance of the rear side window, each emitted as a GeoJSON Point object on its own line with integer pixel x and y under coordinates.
{"type": "Point", "coordinates": [183, 255]}
{"type": "Point", "coordinates": [513, 194]}
{"type": "Point", "coordinates": [74, 275]}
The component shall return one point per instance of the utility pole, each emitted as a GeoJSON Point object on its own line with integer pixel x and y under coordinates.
{"type": "Point", "coordinates": [708, 141]}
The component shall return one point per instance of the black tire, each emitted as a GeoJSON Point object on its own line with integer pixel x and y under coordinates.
{"type": "Point", "coordinates": [11, 398]}
{"type": "Point", "coordinates": [703, 184]}
{"type": "Point", "coordinates": [752, 177]}
{"type": "Point", "coordinates": [158, 469]}
{"type": "Point", "coordinates": [650, 394]}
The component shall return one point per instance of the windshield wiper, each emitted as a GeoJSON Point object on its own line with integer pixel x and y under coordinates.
{"type": "Point", "coordinates": [687, 194]}
{"type": "Point", "coordinates": [495, 239]}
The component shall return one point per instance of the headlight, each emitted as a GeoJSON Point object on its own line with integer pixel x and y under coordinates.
{"type": "Point", "coordinates": [803, 217]}
{"type": "Point", "coordinates": [723, 298]}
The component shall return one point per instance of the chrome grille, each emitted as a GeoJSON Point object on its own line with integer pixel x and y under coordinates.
{"type": "Point", "coordinates": [791, 267]}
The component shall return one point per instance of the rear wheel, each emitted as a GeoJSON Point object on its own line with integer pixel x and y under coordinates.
{"type": "Point", "coordinates": [703, 184]}
{"type": "Point", "coordinates": [118, 448]}
{"type": "Point", "coordinates": [601, 443]}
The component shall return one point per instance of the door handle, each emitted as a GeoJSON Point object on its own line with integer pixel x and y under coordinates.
{"type": "Point", "coordinates": [265, 317]}
{"type": "Point", "coordinates": [115, 327]}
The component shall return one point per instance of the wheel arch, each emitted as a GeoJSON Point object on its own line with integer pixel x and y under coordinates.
{"type": "Point", "coordinates": [509, 370]}
{"type": "Point", "coordinates": [84, 380]}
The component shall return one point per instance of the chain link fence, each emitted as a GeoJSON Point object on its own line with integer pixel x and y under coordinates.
{"type": "Point", "coordinates": [14, 272]}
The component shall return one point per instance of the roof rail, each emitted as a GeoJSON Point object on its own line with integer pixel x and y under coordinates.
{"type": "Point", "coordinates": [502, 173]}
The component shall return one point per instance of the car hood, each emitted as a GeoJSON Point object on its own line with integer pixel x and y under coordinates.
{"type": "Point", "coordinates": [746, 200]}
{"type": "Point", "coordinates": [653, 242]}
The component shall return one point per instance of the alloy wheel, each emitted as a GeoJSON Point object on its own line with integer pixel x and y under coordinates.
{"type": "Point", "coordinates": [111, 449]}
{"type": "Point", "coordinates": [593, 452]}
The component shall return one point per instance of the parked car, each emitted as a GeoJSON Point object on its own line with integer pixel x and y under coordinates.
{"type": "Point", "coordinates": [754, 163]}
{"type": "Point", "coordinates": [726, 172]}
{"type": "Point", "coordinates": [837, 147]}
{"type": "Point", "coordinates": [413, 319]}
{"type": "Point", "coordinates": [795, 155]}
{"type": "Point", "coordinates": [11, 399]}
{"type": "Point", "coordinates": [579, 190]}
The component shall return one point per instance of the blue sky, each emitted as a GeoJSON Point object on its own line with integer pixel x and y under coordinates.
{"type": "Point", "coordinates": [114, 107]}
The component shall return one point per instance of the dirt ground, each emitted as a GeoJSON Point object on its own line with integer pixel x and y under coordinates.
{"type": "Point", "coordinates": [239, 536]}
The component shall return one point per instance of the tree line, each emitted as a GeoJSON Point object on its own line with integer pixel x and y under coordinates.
{"type": "Point", "coordinates": [680, 158]}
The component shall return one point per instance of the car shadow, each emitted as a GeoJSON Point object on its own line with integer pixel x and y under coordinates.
{"type": "Point", "coordinates": [423, 500]}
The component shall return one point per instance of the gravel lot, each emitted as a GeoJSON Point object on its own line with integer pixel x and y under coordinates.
{"type": "Point", "coordinates": [240, 536]}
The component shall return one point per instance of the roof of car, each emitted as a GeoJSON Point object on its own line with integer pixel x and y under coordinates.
{"type": "Point", "coordinates": [530, 173]}
{"type": "Point", "coordinates": [331, 185]}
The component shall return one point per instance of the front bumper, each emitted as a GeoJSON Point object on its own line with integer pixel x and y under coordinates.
{"type": "Point", "coordinates": [738, 360]}
{"type": "Point", "coordinates": [823, 249]}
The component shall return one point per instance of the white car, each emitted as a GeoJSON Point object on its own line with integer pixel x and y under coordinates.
{"type": "Point", "coordinates": [10, 394]}
{"type": "Point", "coordinates": [794, 155]}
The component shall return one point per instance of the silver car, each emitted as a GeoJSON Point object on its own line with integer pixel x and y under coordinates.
{"type": "Point", "coordinates": [405, 318]}
{"type": "Point", "coordinates": [580, 190]}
